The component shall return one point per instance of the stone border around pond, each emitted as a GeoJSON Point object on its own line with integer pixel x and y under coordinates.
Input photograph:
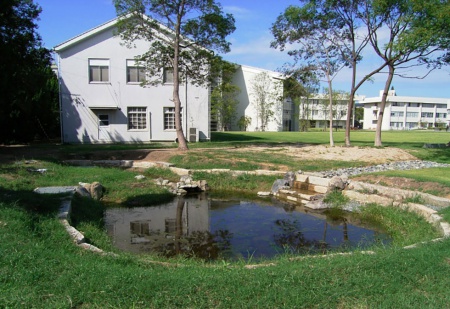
{"type": "Point", "coordinates": [64, 214]}
{"type": "Point", "coordinates": [429, 214]}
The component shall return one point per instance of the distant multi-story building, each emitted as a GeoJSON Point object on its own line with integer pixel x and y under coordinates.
{"type": "Point", "coordinates": [316, 111]}
{"type": "Point", "coordinates": [406, 113]}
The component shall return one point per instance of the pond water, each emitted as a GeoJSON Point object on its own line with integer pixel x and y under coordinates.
{"type": "Point", "coordinates": [234, 229]}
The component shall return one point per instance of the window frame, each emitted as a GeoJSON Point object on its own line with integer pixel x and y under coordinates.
{"type": "Point", "coordinates": [168, 72]}
{"type": "Point", "coordinates": [141, 113]}
{"type": "Point", "coordinates": [140, 72]}
{"type": "Point", "coordinates": [170, 111]}
{"type": "Point", "coordinates": [101, 122]}
{"type": "Point", "coordinates": [102, 65]}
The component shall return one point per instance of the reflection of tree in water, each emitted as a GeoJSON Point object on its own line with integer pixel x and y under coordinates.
{"type": "Point", "coordinates": [200, 244]}
{"type": "Point", "coordinates": [292, 239]}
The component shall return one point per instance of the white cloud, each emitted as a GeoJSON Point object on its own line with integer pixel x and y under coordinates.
{"type": "Point", "coordinates": [238, 12]}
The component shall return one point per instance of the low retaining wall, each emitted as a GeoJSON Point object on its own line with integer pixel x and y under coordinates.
{"type": "Point", "coordinates": [64, 216]}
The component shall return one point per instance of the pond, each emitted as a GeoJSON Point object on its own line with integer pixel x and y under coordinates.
{"type": "Point", "coordinates": [234, 229]}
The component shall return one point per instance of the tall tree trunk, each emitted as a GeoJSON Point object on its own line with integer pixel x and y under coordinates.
{"type": "Point", "coordinates": [387, 85]}
{"type": "Point", "coordinates": [330, 94]}
{"type": "Point", "coordinates": [182, 143]}
{"type": "Point", "coordinates": [351, 103]}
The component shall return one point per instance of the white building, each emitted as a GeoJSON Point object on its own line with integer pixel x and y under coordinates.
{"type": "Point", "coordinates": [405, 113]}
{"type": "Point", "coordinates": [316, 110]}
{"type": "Point", "coordinates": [102, 100]}
{"type": "Point", "coordinates": [283, 111]}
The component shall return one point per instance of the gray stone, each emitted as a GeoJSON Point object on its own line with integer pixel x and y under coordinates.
{"type": "Point", "coordinates": [336, 183]}
{"type": "Point", "coordinates": [82, 191]}
{"type": "Point", "coordinates": [264, 194]}
{"type": "Point", "coordinates": [279, 184]}
{"type": "Point", "coordinates": [96, 191]}
{"type": "Point", "coordinates": [139, 177]}
{"type": "Point", "coordinates": [289, 177]}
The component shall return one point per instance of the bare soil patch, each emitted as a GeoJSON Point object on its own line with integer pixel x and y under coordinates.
{"type": "Point", "coordinates": [406, 184]}
{"type": "Point", "coordinates": [364, 154]}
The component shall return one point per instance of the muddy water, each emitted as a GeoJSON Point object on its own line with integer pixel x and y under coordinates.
{"type": "Point", "coordinates": [234, 229]}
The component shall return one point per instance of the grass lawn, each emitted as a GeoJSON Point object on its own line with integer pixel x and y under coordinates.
{"type": "Point", "coordinates": [41, 268]}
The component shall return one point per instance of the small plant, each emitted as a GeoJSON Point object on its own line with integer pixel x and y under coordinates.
{"type": "Point", "coordinates": [416, 199]}
{"type": "Point", "coordinates": [336, 199]}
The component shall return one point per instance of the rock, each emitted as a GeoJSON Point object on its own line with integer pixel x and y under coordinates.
{"type": "Point", "coordinates": [187, 179]}
{"type": "Point", "coordinates": [279, 184]}
{"type": "Point", "coordinates": [139, 177]}
{"type": "Point", "coordinates": [336, 183]}
{"type": "Point", "coordinates": [264, 194]}
{"type": "Point", "coordinates": [289, 177]}
{"type": "Point", "coordinates": [96, 191]}
{"type": "Point", "coordinates": [82, 191]}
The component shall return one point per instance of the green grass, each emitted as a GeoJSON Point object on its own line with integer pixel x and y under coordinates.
{"type": "Point", "coordinates": [40, 267]}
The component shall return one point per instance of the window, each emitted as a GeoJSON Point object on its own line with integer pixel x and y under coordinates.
{"type": "Point", "coordinates": [140, 228]}
{"type": "Point", "coordinates": [413, 104]}
{"type": "Point", "coordinates": [412, 114]}
{"type": "Point", "coordinates": [98, 70]}
{"type": "Point", "coordinates": [411, 125]}
{"type": "Point", "coordinates": [428, 105]}
{"type": "Point", "coordinates": [427, 115]}
{"type": "Point", "coordinates": [169, 118]}
{"type": "Point", "coordinates": [441, 105]}
{"type": "Point", "coordinates": [396, 125]}
{"type": "Point", "coordinates": [168, 76]}
{"type": "Point", "coordinates": [103, 120]}
{"type": "Point", "coordinates": [397, 114]}
{"type": "Point", "coordinates": [137, 118]}
{"type": "Point", "coordinates": [441, 115]}
{"type": "Point", "coordinates": [398, 104]}
{"type": "Point", "coordinates": [135, 72]}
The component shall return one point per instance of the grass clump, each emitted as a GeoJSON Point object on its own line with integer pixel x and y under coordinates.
{"type": "Point", "coordinates": [416, 199]}
{"type": "Point", "coordinates": [336, 199]}
{"type": "Point", "coordinates": [404, 227]}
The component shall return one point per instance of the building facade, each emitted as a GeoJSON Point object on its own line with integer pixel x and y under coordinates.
{"type": "Point", "coordinates": [406, 113]}
{"type": "Point", "coordinates": [102, 100]}
{"type": "Point", "coordinates": [253, 82]}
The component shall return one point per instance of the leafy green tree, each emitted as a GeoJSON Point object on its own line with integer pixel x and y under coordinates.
{"type": "Point", "coordinates": [416, 36]}
{"type": "Point", "coordinates": [183, 35]}
{"type": "Point", "coordinates": [224, 96]}
{"type": "Point", "coordinates": [300, 86]}
{"type": "Point", "coordinates": [28, 87]}
{"type": "Point", "coordinates": [313, 36]}
{"type": "Point", "coordinates": [267, 96]}
{"type": "Point", "coordinates": [244, 122]}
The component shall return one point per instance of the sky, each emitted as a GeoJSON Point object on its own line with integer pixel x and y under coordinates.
{"type": "Point", "coordinates": [62, 20]}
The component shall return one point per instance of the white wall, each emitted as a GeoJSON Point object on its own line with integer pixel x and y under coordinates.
{"type": "Point", "coordinates": [244, 78]}
{"type": "Point", "coordinates": [81, 99]}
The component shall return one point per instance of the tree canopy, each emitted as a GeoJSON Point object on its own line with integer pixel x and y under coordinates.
{"type": "Point", "coordinates": [183, 36]}
{"type": "Point", "coordinates": [28, 87]}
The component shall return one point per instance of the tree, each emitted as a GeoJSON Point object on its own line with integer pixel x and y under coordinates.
{"type": "Point", "coordinates": [182, 34]}
{"type": "Point", "coordinates": [244, 122]}
{"type": "Point", "coordinates": [299, 87]}
{"type": "Point", "coordinates": [28, 87]}
{"type": "Point", "coordinates": [314, 35]}
{"type": "Point", "coordinates": [267, 97]}
{"type": "Point", "coordinates": [223, 96]}
{"type": "Point", "coordinates": [414, 38]}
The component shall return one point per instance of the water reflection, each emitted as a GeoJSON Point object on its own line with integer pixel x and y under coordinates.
{"type": "Point", "coordinates": [197, 226]}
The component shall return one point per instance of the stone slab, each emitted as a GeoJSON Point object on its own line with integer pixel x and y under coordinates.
{"type": "Point", "coordinates": [55, 190]}
{"type": "Point", "coordinates": [319, 181]}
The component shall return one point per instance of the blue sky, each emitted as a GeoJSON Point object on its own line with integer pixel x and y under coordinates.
{"type": "Point", "coordinates": [61, 20]}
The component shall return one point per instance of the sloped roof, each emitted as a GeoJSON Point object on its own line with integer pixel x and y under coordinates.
{"type": "Point", "coordinates": [85, 35]}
